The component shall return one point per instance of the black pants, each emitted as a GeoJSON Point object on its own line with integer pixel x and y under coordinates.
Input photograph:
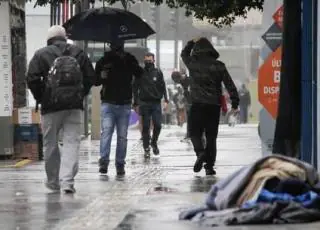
{"type": "Point", "coordinates": [205, 118]}
{"type": "Point", "coordinates": [148, 112]}
{"type": "Point", "coordinates": [188, 121]}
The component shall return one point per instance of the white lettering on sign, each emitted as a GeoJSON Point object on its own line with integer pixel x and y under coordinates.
{"type": "Point", "coordinates": [276, 63]}
{"type": "Point", "coordinates": [271, 90]}
{"type": "Point", "coordinates": [276, 76]}
{"type": "Point", "coordinates": [25, 116]}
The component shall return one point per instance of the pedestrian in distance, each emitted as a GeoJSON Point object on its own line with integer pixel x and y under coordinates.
{"type": "Point", "coordinates": [59, 76]}
{"type": "Point", "coordinates": [181, 105]}
{"type": "Point", "coordinates": [148, 93]}
{"type": "Point", "coordinates": [245, 102]}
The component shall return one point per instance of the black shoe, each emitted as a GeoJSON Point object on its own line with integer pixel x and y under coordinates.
{"type": "Point", "coordinates": [120, 171]}
{"type": "Point", "coordinates": [185, 140]}
{"type": "Point", "coordinates": [103, 166]}
{"type": "Point", "coordinates": [147, 152]}
{"type": "Point", "coordinates": [210, 172]}
{"type": "Point", "coordinates": [155, 149]}
{"type": "Point", "coordinates": [199, 163]}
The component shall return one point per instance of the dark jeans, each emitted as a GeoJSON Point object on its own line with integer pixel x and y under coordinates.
{"type": "Point", "coordinates": [205, 118]}
{"type": "Point", "coordinates": [148, 112]}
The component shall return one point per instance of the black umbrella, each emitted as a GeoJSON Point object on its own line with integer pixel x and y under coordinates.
{"type": "Point", "coordinates": [107, 24]}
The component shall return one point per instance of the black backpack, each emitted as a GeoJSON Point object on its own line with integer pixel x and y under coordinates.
{"type": "Point", "coordinates": [64, 83]}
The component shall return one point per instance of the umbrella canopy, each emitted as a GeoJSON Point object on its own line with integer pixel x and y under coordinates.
{"type": "Point", "coordinates": [107, 24]}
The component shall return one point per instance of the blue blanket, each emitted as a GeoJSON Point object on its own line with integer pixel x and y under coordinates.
{"type": "Point", "coordinates": [306, 199]}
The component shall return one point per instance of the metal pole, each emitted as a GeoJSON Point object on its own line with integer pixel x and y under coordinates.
{"type": "Point", "coordinates": [64, 12]}
{"type": "Point", "coordinates": [59, 13]}
{"type": "Point", "coordinates": [176, 39]}
{"type": "Point", "coordinates": [317, 99]}
{"type": "Point", "coordinates": [71, 9]}
{"type": "Point", "coordinates": [86, 6]}
{"type": "Point", "coordinates": [158, 28]}
{"type": "Point", "coordinates": [51, 14]}
{"type": "Point", "coordinates": [54, 11]}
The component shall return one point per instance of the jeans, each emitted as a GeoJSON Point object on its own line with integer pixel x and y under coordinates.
{"type": "Point", "coordinates": [148, 112]}
{"type": "Point", "coordinates": [67, 156]}
{"type": "Point", "coordinates": [243, 114]}
{"type": "Point", "coordinates": [114, 116]}
{"type": "Point", "coordinates": [205, 119]}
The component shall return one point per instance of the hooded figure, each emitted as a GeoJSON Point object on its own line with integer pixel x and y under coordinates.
{"type": "Point", "coordinates": [206, 77]}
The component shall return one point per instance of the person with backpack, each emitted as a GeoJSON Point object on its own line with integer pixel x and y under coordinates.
{"type": "Point", "coordinates": [207, 75]}
{"type": "Point", "coordinates": [59, 76]}
{"type": "Point", "coordinates": [148, 93]}
{"type": "Point", "coordinates": [115, 71]}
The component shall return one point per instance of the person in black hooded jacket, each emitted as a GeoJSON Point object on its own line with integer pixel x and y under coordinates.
{"type": "Point", "coordinates": [207, 75]}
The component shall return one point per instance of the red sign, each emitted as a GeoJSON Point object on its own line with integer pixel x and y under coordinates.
{"type": "Point", "coordinates": [278, 17]}
{"type": "Point", "coordinates": [269, 82]}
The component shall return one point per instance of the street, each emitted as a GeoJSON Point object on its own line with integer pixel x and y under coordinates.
{"type": "Point", "coordinates": [150, 196]}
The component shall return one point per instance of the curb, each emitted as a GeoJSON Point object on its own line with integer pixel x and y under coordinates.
{"type": "Point", "coordinates": [19, 164]}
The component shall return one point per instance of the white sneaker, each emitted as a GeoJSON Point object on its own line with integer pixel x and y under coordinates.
{"type": "Point", "coordinates": [69, 189]}
{"type": "Point", "coordinates": [53, 187]}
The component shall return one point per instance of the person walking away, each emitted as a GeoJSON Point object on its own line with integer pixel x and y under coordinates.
{"type": "Point", "coordinates": [207, 75]}
{"type": "Point", "coordinates": [185, 83]}
{"type": "Point", "coordinates": [115, 72]}
{"type": "Point", "coordinates": [148, 92]}
{"type": "Point", "coordinates": [59, 76]}
{"type": "Point", "coordinates": [180, 103]}
{"type": "Point", "coordinates": [245, 103]}
{"type": "Point", "coordinates": [167, 112]}
{"type": "Point", "coordinates": [182, 79]}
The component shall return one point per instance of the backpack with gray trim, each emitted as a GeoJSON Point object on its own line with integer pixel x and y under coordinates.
{"type": "Point", "coordinates": [64, 83]}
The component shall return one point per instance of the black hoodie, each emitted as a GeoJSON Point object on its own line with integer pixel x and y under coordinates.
{"type": "Point", "coordinates": [207, 74]}
{"type": "Point", "coordinates": [121, 67]}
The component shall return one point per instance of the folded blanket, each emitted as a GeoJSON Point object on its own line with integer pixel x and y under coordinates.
{"type": "Point", "coordinates": [271, 168]}
{"type": "Point", "coordinates": [225, 193]}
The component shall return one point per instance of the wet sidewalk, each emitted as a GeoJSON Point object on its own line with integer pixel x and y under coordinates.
{"type": "Point", "coordinates": [150, 196]}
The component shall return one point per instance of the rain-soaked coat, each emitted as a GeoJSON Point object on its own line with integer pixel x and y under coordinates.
{"type": "Point", "coordinates": [207, 74]}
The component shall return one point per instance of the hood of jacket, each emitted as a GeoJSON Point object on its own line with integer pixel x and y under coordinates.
{"type": "Point", "coordinates": [203, 47]}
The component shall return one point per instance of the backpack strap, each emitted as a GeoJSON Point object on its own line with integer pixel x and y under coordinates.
{"type": "Point", "coordinates": [67, 50]}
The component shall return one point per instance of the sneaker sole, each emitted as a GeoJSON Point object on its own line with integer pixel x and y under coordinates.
{"type": "Point", "coordinates": [53, 190]}
{"type": "Point", "coordinates": [69, 191]}
{"type": "Point", "coordinates": [103, 171]}
{"type": "Point", "coordinates": [197, 168]}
